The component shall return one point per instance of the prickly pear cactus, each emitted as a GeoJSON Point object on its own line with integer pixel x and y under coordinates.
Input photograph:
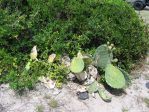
{"type": "Point", "coordinates": [102, 93]}
{"type": "Point", "coordinates": [77, 65]}
{"type": "Point", "coordinates": [102, 56]}
{"type": "Point", "coordinates": [114, 77]}
{"type": "Point", "coordinates": [93, 87]}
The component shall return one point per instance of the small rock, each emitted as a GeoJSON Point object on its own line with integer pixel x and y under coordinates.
{"type": "Point", "coordinates": [48, 83]}
{"type": "Point", "coordinates": [147, 59]}
{"type": "Point", "coordinates": [56, 91]}
{"type": "Point", "coordinates": [148, 53]}
{"type": "Point", "coordinates": [4, 86]}
{"type": "Point", "coordinates": [81, 89]}
{"type": "Point", "coordinates": [42, 79]}
{"type": "Point", "coordinates": [71, 77]}
{"type": "Point", "coordinates": [66, 61]}
{"type": "Point", "coordinates": [72, 86]}
{"type": "Point", "coordinates": [93, 95]}
{"type": "Point", "coordinates": [83, 95]}
{"type": "Point", "coordinates": [82, 76]}
{"type": "Point", "coordinates": [89, 81]}
{"type": "Point", "coordinates": [2, 108]}
{"type": "Point", "coordinates": [93, 71]}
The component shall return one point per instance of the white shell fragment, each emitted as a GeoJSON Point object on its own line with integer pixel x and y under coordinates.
{"type": "Point", "coordinates": [66, 61]}
{"type": "Point", "coordinates": [89, 81]}
{"type": "Point", "coordinates": [81, 89]}
{"type": "Point", "coordinates": [82, 76]}
{"type": "Point", "coordinates": [71, 77]}
{"type": "Point", "coordinates": [93, 71]}
{"type": "Point", "coordinates": [48, 83]}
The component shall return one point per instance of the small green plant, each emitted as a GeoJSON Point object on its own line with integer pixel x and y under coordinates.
{"type": "Point", "coordinates": [93, 87]}
{"type": "Point", "coordinates": [53, 103]}
{"type": "Point", "coordinates": [146, 77]}
{"type": "Point", "coordinates": [146, 101]}
{"type": "Point", "coordinates": [40, 108]}
{"type": "Point", "coordinates": [124, 109]}
{"type": "Point", "coordinates": [47, 96]}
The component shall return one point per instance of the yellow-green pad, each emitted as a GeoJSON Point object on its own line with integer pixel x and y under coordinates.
{"type": "Point", "coordinates": [77, 65]}
{"type": "Point", "coordinates": [114, 77]}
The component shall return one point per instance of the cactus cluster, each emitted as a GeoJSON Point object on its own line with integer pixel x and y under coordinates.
{"type": "Point", "coordinates": [114, 76]}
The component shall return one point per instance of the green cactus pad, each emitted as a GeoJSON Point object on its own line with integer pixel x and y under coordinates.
{"type": "Point", "coordinates": [77, 65]}
{"type": "Point", "coordinates": [102, 56]}
{"type": "Point", "coordinates": [87, 61]}
{"type": "Point", "coordinates": [93, 87]}
{"type": "Point", "coordinates": [114, 77]}
{"type": "Point", "coordinates": [102, 93]}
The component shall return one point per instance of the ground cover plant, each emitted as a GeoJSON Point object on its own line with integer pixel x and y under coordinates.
{"type": "Point", "coordinates": [64, 27]}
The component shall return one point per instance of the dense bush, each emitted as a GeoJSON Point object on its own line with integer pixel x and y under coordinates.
{"type": "Point", "coordinates": [65, 26]}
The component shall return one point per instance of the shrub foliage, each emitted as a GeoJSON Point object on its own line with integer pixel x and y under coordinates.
{"type": "Point", "coordinates": [65, 26]}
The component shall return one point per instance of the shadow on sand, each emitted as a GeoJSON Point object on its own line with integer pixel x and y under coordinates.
{"type": "Point", "coordinates": [147, 85]}
{"type": "Point", "coordinates": [116, 92]}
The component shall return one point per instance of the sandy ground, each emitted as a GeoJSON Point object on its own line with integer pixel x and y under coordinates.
{"type": "Point", "coordinates": [144, 14]}
{"type": "Point", "coordinates": [132, 100]}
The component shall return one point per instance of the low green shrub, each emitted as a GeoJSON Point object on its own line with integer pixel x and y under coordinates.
{"type": "Point", "coordinates": [65, 26]}
{"type": "Point", "coordinates": [22, 79]}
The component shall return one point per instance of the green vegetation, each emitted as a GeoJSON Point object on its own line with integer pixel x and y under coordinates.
{"type": "Point", "coordinates": [102, 56]}
{"type": "Point", "coordinates": [114, 77]}
{"type": "Point", "coordinates": [47, 96]}
{"type": "Point", "coordinates": [77, 65]}
{"type": "Point", "coordinates": [64, 27]}
{"type": "Point", "coordinates": [26, 76]}
{"type": "Point", "coordinates": [53, 103]}
{"type": "Point", "coordinates": [125, 110]}
{"type": "Point", "coordinates": [146, 101]}
{"type": "Point", "coordinates": [40, 108]}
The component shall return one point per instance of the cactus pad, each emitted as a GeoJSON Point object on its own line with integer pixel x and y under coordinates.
{"type": "Point", "coordinates": [93, 87]}
{"type": "Point", "coordinates": [102, 56]}
{"type": "Point", "coordinates": [102, 93]}
{"type": "Point", "coordinates": [114, 77]}
{"type": "Point", "coordinates": [77, 65]}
